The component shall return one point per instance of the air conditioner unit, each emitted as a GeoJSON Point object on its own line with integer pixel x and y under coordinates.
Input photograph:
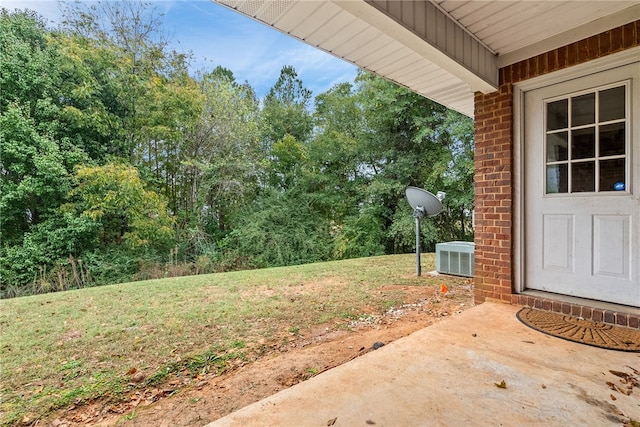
{"type": "Point", "coordinates": [455, 258]}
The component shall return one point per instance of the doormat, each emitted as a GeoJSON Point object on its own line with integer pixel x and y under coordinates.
{"type": "Point", "coordinates": [581, 331]}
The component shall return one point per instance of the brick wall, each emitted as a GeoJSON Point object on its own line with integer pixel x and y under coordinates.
{"type": "Point", "coordinates": [597, 46]}
{"type": "Point", "coordinates": [494, 157]}
{"type": "Point", "coordinates": [493, 194]}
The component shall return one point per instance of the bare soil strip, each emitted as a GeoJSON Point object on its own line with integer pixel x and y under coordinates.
{"type": "Point", "coordinates": [281, 363]}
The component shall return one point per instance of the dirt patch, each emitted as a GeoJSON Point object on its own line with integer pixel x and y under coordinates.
{"type": "Point", "coordinates": [287, 360]}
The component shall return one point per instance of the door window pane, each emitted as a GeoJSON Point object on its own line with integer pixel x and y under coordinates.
{"type": "Point", "coordinates": [583, 143]}
{"type": "Point", "coordinates": [586, 142]}
{"type": "Point", "coordinates": [612, 104]}
{"type": "Point", "coordinates": [583, 110]}
{"type": "Point", "coordinates": [583, 177]}
{"type": "Point", "coordinates": [558, 115]}
{"type": "Point", "coordinates": [612, 175]}
{"type": "Point", "coordinates": [557, 147]}
{"type": "Point", "coordinates": [557, 178]}
{"type": "Point", "coordinates": [612, 139]}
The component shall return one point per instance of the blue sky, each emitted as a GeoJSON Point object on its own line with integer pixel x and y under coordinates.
{"type": "Point", "coordinates": [219, 36]}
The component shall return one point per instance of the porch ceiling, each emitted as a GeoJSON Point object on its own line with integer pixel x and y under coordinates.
{"type": "Point", "coordinates": [443, 49]}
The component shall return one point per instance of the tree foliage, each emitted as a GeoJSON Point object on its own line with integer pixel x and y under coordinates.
{"type": "Point", "coordinates": [114, 197]}
{"type": "Point", "coordinates": [36, 155]}
{"type": "Point", "coordinates": [286, 109]}
{"type": "Point", "coordinates": [117, 163]}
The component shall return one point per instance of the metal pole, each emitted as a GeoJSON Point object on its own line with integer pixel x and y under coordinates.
{"type": "Point", "coordinates": [418, 267]}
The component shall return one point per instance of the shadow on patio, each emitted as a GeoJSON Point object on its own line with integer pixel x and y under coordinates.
{"type": "Point", "coordinates": [448, 375]}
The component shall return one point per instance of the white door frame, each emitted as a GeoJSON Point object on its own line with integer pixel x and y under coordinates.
{"type": "Point", "coordinates": [592, 67]}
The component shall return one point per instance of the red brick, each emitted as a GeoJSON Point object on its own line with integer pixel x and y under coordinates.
{"type": "Point", "coordinates": [622, 319]}
{"type": "Point", "coordinates": [593, 47]}
{"type": "Point", "coordinates": [629, 35]}
{"type": "Point", "coordinates": [609, 317]}
{"type": "Point", "coordinates": [598, 315]}
{"type": "Point", "coordinates": [605, 43]}
{"type": "Point", "coordinates": [572, 54]}
{"type": "Point", "coordinates": [583, 50]}
{"type": "Point", "coordinates": [503, 125]}
{"type": "Point", "coordinates": [562, 57]}
{"type": "Point", "coordinates": [515, 74]}
{"type": "Point", "coordinates": [504, 75]}
{"type": "Point", "coordinates": [616, 39]}
{"type": "Point", "coordinates": [552, 60]}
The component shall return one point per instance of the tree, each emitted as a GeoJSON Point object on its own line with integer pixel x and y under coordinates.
{"type": "Point", "coordinates": [114, 197]}
{"type": "Point", "coordinates": [279, 229]}
{"type": "Point", "coordinates": [336, 153]}
{"type": "Point", "coordinates": [370, 144]}
{"type": "Point", "coordinates": [220, 156]}
{"type": "Point", "coordinates": [286, 163]}
{"type": "Point", "coordinates": [286, 111]}
{"type": "Point", "coordinates": [106, 141]}
{"type": "Point", "coordinates": [143, 73]}
{"type": "Point", "coordinates": [36, 157]}
{"type": "Point", "coordinates": [34, 177]}
{"type": "Point", "coordinates": [91, 104]}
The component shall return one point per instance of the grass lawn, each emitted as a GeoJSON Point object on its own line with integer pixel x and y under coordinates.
{"type": "Point", "coordinates": [73, 347]}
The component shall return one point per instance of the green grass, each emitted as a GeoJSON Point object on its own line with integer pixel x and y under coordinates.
{"type": "Point", "coordinates": [72, 347]}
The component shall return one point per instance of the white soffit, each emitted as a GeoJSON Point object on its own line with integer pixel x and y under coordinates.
{"type": "Point", "coordinates": [365, 36]}
{"type": "Point", "coordinates": [443, 49]}
{"type": "Point", "coordinates": [519, 29]}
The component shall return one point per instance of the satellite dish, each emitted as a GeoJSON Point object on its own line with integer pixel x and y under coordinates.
{"type": "Point", "coordinates": [423, 203]}
{"type": "Point", "coordinates": [431, 205]}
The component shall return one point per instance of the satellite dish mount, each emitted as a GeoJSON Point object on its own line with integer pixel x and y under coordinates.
{"type": "Point", "coordinates": [423, 204]}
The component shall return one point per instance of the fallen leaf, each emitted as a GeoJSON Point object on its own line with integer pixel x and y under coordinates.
{"type": "Point", "coordinates": [332, 421]}
{"type": "Point", "coordinates": [501, 384]}
{"type": "Point", "coordinates": [443, 288]}
{"type": "Point", "coordinates": [619, 374]}
{"type": "Point", "coordinates": [132, 371]}
{"type": "Point", "coordinates": [370, 422]}
{"type": "Point", "coordinates": [613, 397]}
{"type": "Point", "coordinates": [624, 391]}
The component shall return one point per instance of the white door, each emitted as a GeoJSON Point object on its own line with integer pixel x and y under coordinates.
{"type": "Point", "coordinates": [582, 187]}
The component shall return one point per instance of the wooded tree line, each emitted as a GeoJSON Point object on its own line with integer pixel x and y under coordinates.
{"type": "Point", "coordinates": [117, 164]}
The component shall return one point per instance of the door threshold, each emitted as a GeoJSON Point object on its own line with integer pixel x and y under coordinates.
{"type": "Point", "coordinates": [588, 309]}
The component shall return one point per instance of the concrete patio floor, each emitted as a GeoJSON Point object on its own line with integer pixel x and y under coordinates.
{"type": "Point", "coordinates": [446, 375]}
